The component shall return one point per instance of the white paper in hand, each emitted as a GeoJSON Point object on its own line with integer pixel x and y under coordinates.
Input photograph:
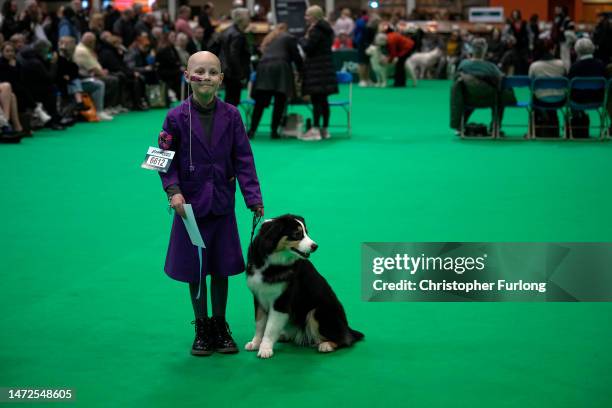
{"type": "Point", "coordinates": [192, 227]}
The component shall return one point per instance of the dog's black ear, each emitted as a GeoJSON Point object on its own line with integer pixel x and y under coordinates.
{"type": "Point", "coordinates": [265, 241]}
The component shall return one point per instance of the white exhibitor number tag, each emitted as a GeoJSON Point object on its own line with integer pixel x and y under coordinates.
{"type": "Point", "coordinates": [158, 159]}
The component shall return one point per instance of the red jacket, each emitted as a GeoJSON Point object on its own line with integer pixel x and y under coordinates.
{"type": "Point", "coordinates": [398, 45]}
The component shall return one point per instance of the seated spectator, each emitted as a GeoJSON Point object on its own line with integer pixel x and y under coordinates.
{"type": "Point", "coordinates": [39, 72]}
{"type": "Point", "coordinates": [112, 58]}
{"type": "Point", "coordinates": [31, 22]}
{"type": "Point", "coordinates": [10, 25]}
{"type": "Point", "coordinates": [96, 24]}
{"type": "Point", "coordinates": [8, 104]}
{"type": "Point", "coordinates": [585, 66]}
{"type": "Point", "coordinates": [344, 24]}
{"type": "Point", "coordinates": [400, 47]}
{"type": "Point", "coordinates": [476, 84]}
{"type": "Point", "coordinates": [145, 24]}
{"type": "Point", "coordinates": [169, 66]}
{"type": "Point", "coordinates": [137, 59]}
{"type": "Point", "coordinates": [71, 83]}
{"type": "Point", "coordinates": [275, 77]}
{"type": "Point", "coordinates": [124, 27]}
{"type": "Point", "coordinates": [181, 48]}
{"type": "Point", "coordinates": [11, 71]}
{"type": "Point", "coordinates": [18, 40]}
{"type": "Point", "coordinates": [89, 67]}
{"type": "Point", "coordinates": [547, 65]}
{"type": "Point", "coordinates": [68, 26]}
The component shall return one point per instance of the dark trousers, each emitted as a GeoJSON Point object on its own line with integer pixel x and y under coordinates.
{"type": "Point", "coordinates": [399, 80]}
{"type": "Point", "coordinates": [320, 108]}
{"type": "Point", "coordinates": [112, 94]}
{"type": "Point", "coordinates": [262, 101]}
{"type": "Point", "coordinates": [233, 87]}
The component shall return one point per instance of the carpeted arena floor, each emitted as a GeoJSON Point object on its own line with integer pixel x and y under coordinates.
{"type": "Point", "coordinates": [85, 303]}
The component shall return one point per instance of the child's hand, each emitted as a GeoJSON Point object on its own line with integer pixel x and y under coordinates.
{"type": "Point", "coordinates": [176, 203]}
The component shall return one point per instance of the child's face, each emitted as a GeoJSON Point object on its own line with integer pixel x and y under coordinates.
{"type": "Point", "coordinates": [204, 74]}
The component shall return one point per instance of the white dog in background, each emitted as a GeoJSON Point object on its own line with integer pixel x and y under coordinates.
{"type": "Point", "coordinates": [378, 60]}
{"type": "Point", "coordinates": [423, 63]}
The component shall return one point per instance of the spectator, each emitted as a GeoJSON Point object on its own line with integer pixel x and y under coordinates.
{"type": "Point", "coordinates": [568, 54]}
{"type": "Point", "coordinates": [561, 22]}
{"type": "Point", "coordinates": [400, 47]}
{"type": "Point", "coordinates": [69, 80]}
{"type": "Point", "coordinates": [197, 43]}
{"type": "Point", "coordinates": [181, 48]}
{"type": "Point", "coordinates": [169, 67]}
{"type": "Point", "coordinates": [8, 103]}
{"type": "Point", "coordinates": [476, 83]}
{"type": "Point", "coordinates": [235, 55]}
{"type": "Point", "coordinates": [205, 21]}
{"type": "Point", "coordinates": [181, 25]}
{"type": "Point", "coordinates": [137, 59]}
{"type": "Point", "coordinates": [111, 57]}
{"type": "Point", "coordinates": [547, 65]}
{"type": "Point", "coordinates": [585, 66]}
{"type": "Point", "coordinates": [86, 58]}
{"type": "Point", "coordinates": [111, 16]}
{"type": "Point", "coordinates": [81, 19]}
{"type": "Point", "coordinates": [124, 27]}
{"type": "Point", "coordinates": [10, 25]}
{"type": "Point", "coordinates": [495, 49]}
{"type": "Point", "coordinates": [96, 25]}
{"type": "Point", "coordinates": [534, 33]}
{"type": "Point", "coordinates": [30, 23]}
{"type": "Point", "coordinates": [602, 38]}
{"type": "Point", "coordinates": [68, 25]}
{"type": "Point", "coordinates": [275, 77]}
{"type": "Point", "coordinates": [166, 22]}
{"type": "Point", "coordinates": [11, 71]}
{"type": "Point", "coordinates": [344, 24]}
{"type": "Point", "coordinates": [319, 74]}
{"type": "Point", "coordinates": [145, 24]}
{"type": "Point", "coordinates": [18, 40]}
{"type": "Point", "coordinates": [370, 31]}
{"type": "Point", "coordinates": [39, 69]}
{"type": "Point", "coordinates": [517, 28]}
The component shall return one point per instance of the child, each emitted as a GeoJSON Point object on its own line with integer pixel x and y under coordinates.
{"type": "Point", "coordinates": [212, 151]}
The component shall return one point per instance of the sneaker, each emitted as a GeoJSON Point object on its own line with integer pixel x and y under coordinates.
{"type": "Point", "coordinates": [203, 344]}
{"type": "Point", "coordinates": [363, 84]}
{"type": "Point", "coordinates": [121, 109]}
{"type": "Point", "coordinates": [224, 343]}
{"type": "Point", "coordinates": [312, 135]}
{"type": "Point", "coordinates": [104, 116]}
{"type": "Point", "coordinates": [325, 133]}
{"type": "Point", "coordinates": [40, 113]}
{"type": "Point", "coordinates": [113, 111]}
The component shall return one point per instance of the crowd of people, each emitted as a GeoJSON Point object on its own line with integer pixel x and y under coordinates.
{"type": "Point", "coordinates": [73, 64]}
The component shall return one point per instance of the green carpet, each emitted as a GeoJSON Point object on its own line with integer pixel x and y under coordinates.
{"type": "Point", "coordinates": [85, 302]}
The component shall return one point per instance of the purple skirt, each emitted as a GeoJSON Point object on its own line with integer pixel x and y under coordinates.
{"type": "Point", "coordinates": [221, 257]}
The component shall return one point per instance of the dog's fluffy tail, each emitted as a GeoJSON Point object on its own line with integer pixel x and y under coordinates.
{"type": "Point", "coordinates": [357, 335]}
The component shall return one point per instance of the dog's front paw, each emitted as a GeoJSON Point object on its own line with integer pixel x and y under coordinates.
{"type": "Point", "coordinates": [326, 347]}
{"type": "Point", "coordinates": [252, 345]}
{"type": "Point", "coordinates": [265, 351]}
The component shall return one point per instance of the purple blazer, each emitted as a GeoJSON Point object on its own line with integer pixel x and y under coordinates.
{"type": "Point", "coordinates": [211, 187]}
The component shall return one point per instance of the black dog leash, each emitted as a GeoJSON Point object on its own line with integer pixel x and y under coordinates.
{"type": "Point", "coordinates": [256, 219]}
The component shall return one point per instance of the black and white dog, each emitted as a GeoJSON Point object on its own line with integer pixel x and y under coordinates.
{"type": "Point", "coordinates": [293, 302]}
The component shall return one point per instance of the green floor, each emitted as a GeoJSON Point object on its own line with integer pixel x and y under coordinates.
{"type": "Point", "coordinates": [85, 303]}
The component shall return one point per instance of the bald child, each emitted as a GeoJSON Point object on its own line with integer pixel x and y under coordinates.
{"type": "Point", "coordinates": [212, 154]}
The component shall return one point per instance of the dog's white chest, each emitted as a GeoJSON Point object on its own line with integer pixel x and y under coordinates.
{"type": "Point", "coordinates": [265, 293]}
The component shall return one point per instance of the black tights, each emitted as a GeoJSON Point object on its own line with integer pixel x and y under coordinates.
{"type": "Point", "coordinates": [262, 100]}
{"type": "Point", "coordinates": [320, 107]}
{"type": "Point", "coordinates": [218, 297]}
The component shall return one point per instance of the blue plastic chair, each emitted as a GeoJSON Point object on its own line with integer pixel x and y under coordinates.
{"type": "Point", "coordinates": [588, 84]}
{"type": "Point", "coordinates": [516, 82]}
{"type": "Point", "coordinates": [343, 77]}
{"type": "Point", "coordinates": [248, 104]}
{"type": "Point", "coordinates": [554, 103]}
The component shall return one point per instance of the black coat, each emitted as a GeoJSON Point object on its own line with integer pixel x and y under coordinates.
{"type": "Point", "coordinates": [275, 71]}
{"type": "Point", "coordinates": [110, 59]}
{"type": "Point", "coordinates": [234, 54]}
{"type": "Point", "coordinates": [589, 67]}
{"type": "Point", "coordinates": [319, 72]}
{"type": "Point", "coordinates": [168, 64]}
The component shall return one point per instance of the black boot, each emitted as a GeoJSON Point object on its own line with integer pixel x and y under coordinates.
{"type": "Point", "coordinates": [224, 343]}
{"type": "Point", "coordinates": [203, 345]}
